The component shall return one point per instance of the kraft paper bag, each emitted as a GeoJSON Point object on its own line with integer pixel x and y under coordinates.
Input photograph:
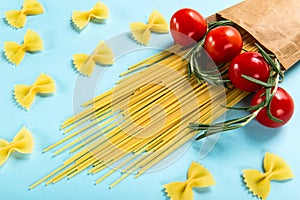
{"type": "Point", "coordinates": [275, 24]}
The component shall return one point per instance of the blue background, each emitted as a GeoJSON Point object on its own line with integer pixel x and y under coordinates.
{"type": "Point", "coordinates": [236, 150]}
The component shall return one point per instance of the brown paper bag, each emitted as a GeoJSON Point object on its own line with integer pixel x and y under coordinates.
{"type": "Point", "coordinates": [275, 24]}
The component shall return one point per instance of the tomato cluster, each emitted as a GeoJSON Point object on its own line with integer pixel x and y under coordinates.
{"type": "Point", "coordinates": [224, 44]}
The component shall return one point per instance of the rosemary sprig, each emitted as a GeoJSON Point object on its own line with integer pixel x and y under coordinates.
{"type": "Point", "coordinates": [195, 54]}
{"type": "Point", "coordinates": [213, 25]}
{"type": "Point", "coordinates": [224, 126]}
{"type": "Point", "coordinates": [264, 84]}
{"type": "Point", "coordinates": [271, 86]}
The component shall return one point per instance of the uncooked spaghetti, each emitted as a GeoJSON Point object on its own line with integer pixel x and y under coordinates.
{"type": "Point", "coordinates": [142, 120]}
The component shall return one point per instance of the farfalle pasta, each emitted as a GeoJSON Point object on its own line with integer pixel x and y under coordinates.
{"type": "Point", "coordinates": [102, 55]}
{"type": "Point", "coordinates": [15, 52]}
{"type": "Point", "coordinates": [98, 13]}
{"type": "Point", "coordinates": [25, 94]}
{"type": "Point", "coordinates": [275, 168]}
{"type": "Point", "coordinates": [198, 176]}
{"type": "Point", "coordinates": [22, 143]}
{"type": "Point", "coordinates": [141, 32]}
{"type": "Point", "coordinates": [17, 18]}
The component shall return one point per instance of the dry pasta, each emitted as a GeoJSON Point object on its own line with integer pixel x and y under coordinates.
{"type": "Point", "coordinates": [25, 94]}
{"type": "Point", "coordinates": [98, 13]}
{"type": "Point", "coordinates": [275, 168]}
{"type": "Point", "coordinates": [141, 32]}
{"type": "Point", "coordinates": [142, 120]}
{"type": "Point", "coordinates": [102, 55]}
{"type": "Point", "coordinates": [198, 176]}
{"type": "Point", "coordinates": [15, 52]}
{"type": "Point", "coordinates": [23, 143]}
{"type": "Point", "coordinates": [17, 18]}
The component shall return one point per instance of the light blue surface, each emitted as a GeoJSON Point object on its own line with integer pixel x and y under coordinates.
{"type": "Point", "coordinates": [237, 150]}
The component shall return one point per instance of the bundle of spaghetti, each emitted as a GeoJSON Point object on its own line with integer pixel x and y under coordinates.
{"type": "Point", "coordinates": [142, 120]}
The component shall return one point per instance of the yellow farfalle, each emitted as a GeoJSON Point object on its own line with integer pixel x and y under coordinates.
{"type": "Point", "coordinates": [274, 169]}
{"type": "Point", "coordinates": [23, 143]}
{"type": "Point", "coordinates": [141, 32]}
{"type": "Point", "coordinates": [198, 176]}
{"type": "Point", "coordinates": [99, 12]}
{"type": "Point", "coordinates": [15, 52]}
{"type": "Point", "coordinates": [17, 18]}
{"type": "Point", "coordinates": [25, 94]}
{"type": "Point", "coordinates": [102, 55]}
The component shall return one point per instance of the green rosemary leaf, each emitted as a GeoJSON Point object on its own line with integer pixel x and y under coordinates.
{"type": "Point", "coordinates": [191, 125]}
{"type": "Point", "coordinates": [187, 47]}
{"type": "Point", "coordinates": [237, 120]}
{"type": "Point", "coordinates": [246, 108]}
{"type": "Point", "coordinates": [235, 108]}
{"type": "Point", "coordinates": [195, 49]}
{"type": "Point", "coordinates": [219, 125]}
{"type": "Point", "coordinates": [198, 73]}
{"type": "Point", "coordinates": [281, 72]}
{"type": "Point", "coordinates": [213, 25]}
{"type": "Point", "coordinates": [265, 55]}
{"type": "Point", "coordinates": [189, 53]}
{"type": "Point", "coordinates": [270, 114]}
{"type": "Point", "coordinates": [275, 65]}
{"type": "Point", "coordinates": [200, 81]}
{"type": "Point", "coordinates": [268, 95]}
{"type": "Point", "coordinates": [271, 55]}
{"type": "Point", "coordinates": [252, 108]}
{"type": "Point", "coordinates": [213, 71]}
{"type": "Point", "coordinates": [225, 128]}
{"type": "Point", "coordinates": [191, 64]}
{"type": "Point", "coordinates": [199, 78]}
{"type": "Point", "coordinates": [204, 135]}
{"type": "Point", "coordinates": [226, 81]}
{"type": "Point", "coordinates": [199, 45]}
{"type": "Point", "coordinates": [189, 71]}
{"type": "Point", "coordinates": [259, 82]}
{"type": "Point", "coordinates": [225, 71]}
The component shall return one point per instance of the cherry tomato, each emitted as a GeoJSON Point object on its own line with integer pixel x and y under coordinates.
{"type": "Point", "coordinates": [223, 43]}
{"type": "Point", "coordinates": [282, 107]}
{"type": "Point", "coordinates": [187, 26]}
{"type": "Point", "coordinates": [251, 64]}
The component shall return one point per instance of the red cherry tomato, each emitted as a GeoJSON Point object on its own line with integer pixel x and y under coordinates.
{"type": "Point", "coordinates": [251, 64]}
{"type": "Point", "coordinates": [187, 26]}
{"type": "Point", "coordinates": [282, 107]}
{"type": "Point", "coordinates": [223, 43]}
